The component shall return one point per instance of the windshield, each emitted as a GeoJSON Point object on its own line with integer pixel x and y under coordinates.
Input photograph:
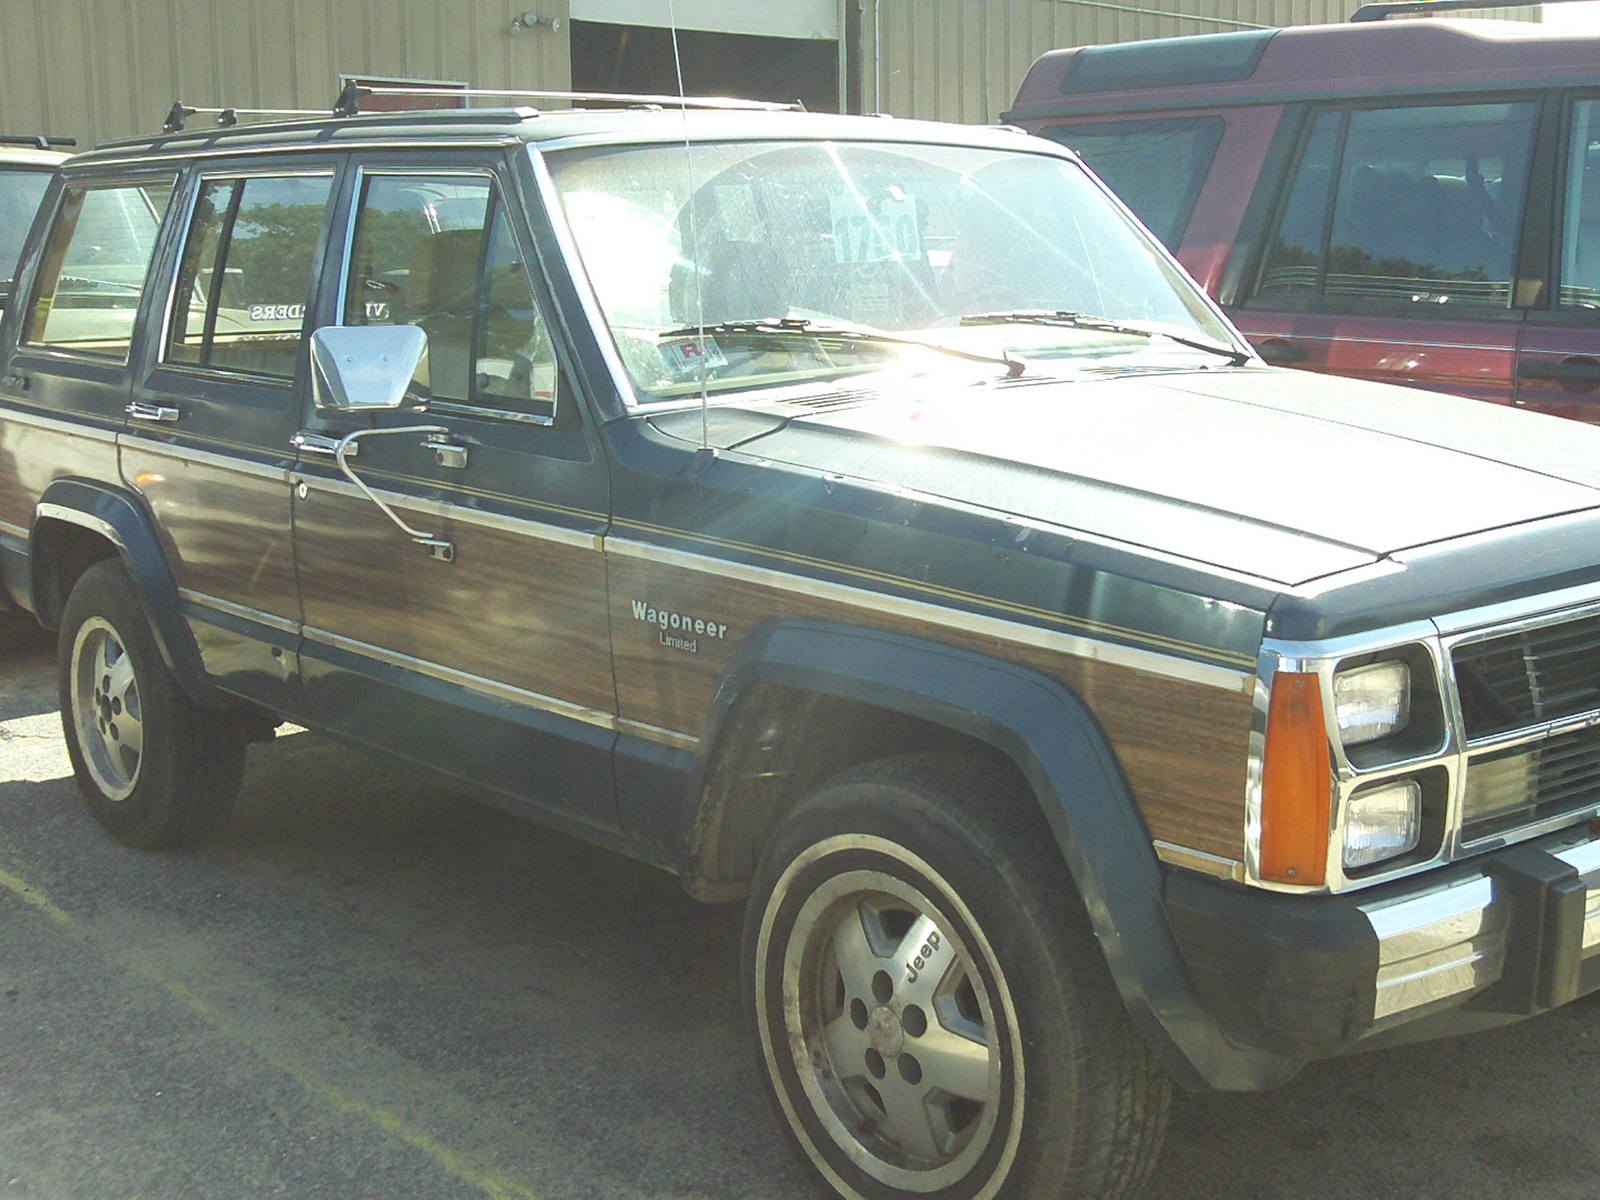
{"type": "Point", "coordinates": [20, 193]}
{"type": "Point", "coordinates": [855, 239]}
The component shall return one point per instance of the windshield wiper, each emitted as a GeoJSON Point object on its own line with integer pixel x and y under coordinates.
{"type": "Point", "coordinates": [805, 327]}
{"type": "Point", "coordinates": [1072, 320]}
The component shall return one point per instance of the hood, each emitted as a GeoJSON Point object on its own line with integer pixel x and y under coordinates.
{"type": "Point", "coordinates": [1281, 475]}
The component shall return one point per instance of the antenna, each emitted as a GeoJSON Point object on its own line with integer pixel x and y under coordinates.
{"type": "Point", "coordinates": [694, 239]}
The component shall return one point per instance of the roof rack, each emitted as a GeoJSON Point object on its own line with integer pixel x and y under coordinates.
{"type": "Point", "coordinates": [349, 102]}
{"type": "Point", "coordinates": [1394, 8]}
{"type": "Point", "coordinates": [36, 140]}
{"type": "Point", "coordinates": [181, 112]}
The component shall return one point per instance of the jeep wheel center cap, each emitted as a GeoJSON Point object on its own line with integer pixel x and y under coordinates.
{"type": "Point", "coordinates": [887, 1034]}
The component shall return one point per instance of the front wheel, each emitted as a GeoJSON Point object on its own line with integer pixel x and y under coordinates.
{"type": "Point", "coordinates": [931, 1008]}
{"type": "Point", "coordinates": [156, 769]}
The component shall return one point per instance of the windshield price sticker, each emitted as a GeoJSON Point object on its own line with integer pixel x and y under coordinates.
{"type": "Point", "coordinates": [886, 233]}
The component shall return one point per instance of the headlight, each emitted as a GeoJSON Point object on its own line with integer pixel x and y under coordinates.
{"type": "Point", "coordinates": [1382, 822]}
{"type": "Point", "coordinates": [1371, 702]}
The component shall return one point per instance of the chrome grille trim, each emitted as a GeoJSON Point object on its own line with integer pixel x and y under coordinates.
{"type": "Point", "coordinates": [1551, 775]}
{"type": "Point", "coordinates": [1530, 676]}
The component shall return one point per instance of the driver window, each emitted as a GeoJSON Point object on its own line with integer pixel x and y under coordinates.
{"type": "Point", "coordinates": [437, 251]}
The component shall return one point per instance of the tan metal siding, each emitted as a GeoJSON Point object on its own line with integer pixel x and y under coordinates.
{"type": "Point", "coordinates": [104, 69]}
{"type": "Point", "coordinates": [962, 60]}
{"type": "Point", "coordinates": [99, 70]}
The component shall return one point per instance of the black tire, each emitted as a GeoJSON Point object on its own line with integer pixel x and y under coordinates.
{"type": "Point", "coordinates": [157, 769]}
{"type": "Point", "coordinates": [1013, 999]}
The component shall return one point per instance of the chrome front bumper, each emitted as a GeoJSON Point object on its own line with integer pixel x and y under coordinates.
{"type": "Point", "coordinates": [1446, 945]}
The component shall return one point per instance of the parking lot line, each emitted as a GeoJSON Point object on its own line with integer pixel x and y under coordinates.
{"type": "Point", "coordinates": [493, 1183]}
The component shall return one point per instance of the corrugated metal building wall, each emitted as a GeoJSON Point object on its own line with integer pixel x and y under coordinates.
{"type": "Point", "coordinates": [962, 60]}
{"type": "Point", "coordinates": [104, 69]}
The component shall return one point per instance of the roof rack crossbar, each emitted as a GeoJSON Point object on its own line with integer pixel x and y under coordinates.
{"type": "Point", "coordinates": [37, 140]}
{"type": "Point", "coordinates": [181, 112]}
{"type": "Point", "coordinates": [353, 93]}
{"type": "Point", "coordinates": [1381, 9]}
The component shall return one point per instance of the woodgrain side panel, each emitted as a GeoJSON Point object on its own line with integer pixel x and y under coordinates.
{"type": "Point", "coordinates": [226, 530]}
{"type": "Point", "coordinates": [512, 607]}
{"type": "Point", "coordinates": [31, 455]}
{"type": "Point", "coordinates": [1183, 745]}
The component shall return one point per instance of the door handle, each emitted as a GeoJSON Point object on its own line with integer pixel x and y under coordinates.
{"type": "Point", "coordinates": [142, 410]}
{"type": "Point", "coordinates": [327, 445]}
{"type": "Point", "coordinates": [1281, 352]}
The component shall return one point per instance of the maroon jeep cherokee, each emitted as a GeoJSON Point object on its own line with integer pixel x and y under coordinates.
{"type": "Point", "coordinates": [1414, 201]}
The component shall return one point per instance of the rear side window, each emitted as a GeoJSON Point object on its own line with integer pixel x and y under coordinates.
{"type": "Point", "coordinates": [1155, 167]}
{"type": "Point", "coordinates": [1405, 205]}
{"type": "Point", "coordinates": [95, 266]}
{"type": "Point", "coordinates": [20, 194]}
{"type": "Point", "coordinates": [240, 303]}
{"type": "Point", "coordinates": [1580, 234]}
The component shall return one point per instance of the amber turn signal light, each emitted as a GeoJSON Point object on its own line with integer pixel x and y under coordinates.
{"type": "Point", "coordinates": [1296, 783]}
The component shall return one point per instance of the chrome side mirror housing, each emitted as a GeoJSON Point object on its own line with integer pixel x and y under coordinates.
{"type": "Point", "coordinates": [366, 368]}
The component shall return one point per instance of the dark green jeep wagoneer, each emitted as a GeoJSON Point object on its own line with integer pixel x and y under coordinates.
{"type": "Point", "coordinates": [863, 518]}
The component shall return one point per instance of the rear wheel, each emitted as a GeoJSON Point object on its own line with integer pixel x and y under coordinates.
{"type": "Point", "coordinates": [931, 1008]}
{"type": "Point", "coordinates": [156, 768]}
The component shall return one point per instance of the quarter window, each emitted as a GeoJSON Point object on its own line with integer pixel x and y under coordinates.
{"type": "Point", "coordinates": [95, 267]}
{"type": "Point", "coordinates": [438, 252]}
{"type": "Point", "coordinates": [1426, 207]}
{"type": "Point", "coordinates": [240, 303]}
{"type": "Point", "coordinates": [1580, 235]}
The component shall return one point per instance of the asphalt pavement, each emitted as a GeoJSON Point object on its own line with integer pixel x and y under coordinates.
{"type": "Point", "coordinates": [368, 987]}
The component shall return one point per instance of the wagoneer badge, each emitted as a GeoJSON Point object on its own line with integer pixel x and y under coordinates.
{"type": "Point", "coordinates": [678, 630]}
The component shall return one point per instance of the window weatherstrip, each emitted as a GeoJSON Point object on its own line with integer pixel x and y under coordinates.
{"type": "Point", "coordinates": [208, 331]}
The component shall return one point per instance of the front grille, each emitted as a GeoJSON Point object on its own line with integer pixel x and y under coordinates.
{"type": "Point", "coordinates": [1508, 788]}
{"type": "Point", "coordinates": [1522, 679]}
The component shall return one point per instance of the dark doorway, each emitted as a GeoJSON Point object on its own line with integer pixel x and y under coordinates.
{"type": "Point", "coordinates": [638, 58]}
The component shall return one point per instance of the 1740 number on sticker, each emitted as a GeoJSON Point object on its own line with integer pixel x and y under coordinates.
{"type": "Point", "coordinates": [884, 232]}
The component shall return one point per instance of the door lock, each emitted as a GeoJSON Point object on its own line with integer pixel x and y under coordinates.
{"type": "Point", "coordinates": [448, 454]}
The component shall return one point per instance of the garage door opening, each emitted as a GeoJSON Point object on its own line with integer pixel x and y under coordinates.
{"type": "Point", "coordinates": [638, 58]}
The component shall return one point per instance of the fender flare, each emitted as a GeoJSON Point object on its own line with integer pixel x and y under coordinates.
{"type": "Point", "coordinates": [1054, 740]}
{"type": "Point", "coordinates": [120, 518]}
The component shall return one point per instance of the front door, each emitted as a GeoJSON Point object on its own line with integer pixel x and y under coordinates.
{"type": "Point", "coordinates": [482, 647]}
{"type": "Point", "coordinates": [209, 439]}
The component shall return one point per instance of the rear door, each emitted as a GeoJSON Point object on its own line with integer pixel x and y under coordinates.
{"type": "Point", "coordinates": [1558, 368]}
{"type": "Point", "coordinates": [209, 437]}
{"type": "Point", "coordinates": [1394, 250]}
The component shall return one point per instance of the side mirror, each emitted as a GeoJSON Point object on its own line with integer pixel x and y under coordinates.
{"type": "Point", "coordinates": [366, 368]}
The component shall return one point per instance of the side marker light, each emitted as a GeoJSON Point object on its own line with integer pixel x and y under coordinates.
{"type": "Point", "coordinates": [1296, 783]}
